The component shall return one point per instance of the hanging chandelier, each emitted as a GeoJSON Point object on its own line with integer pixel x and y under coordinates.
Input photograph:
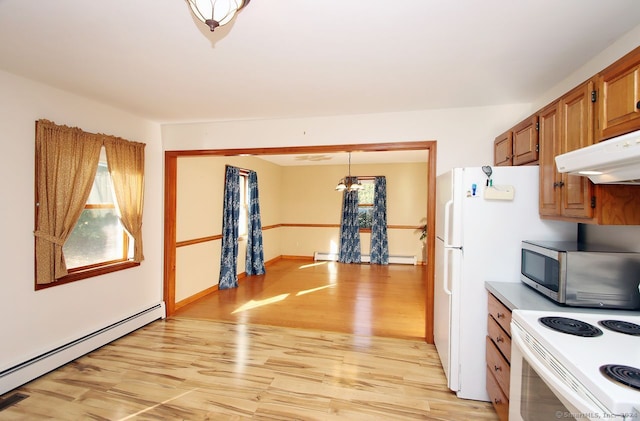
{"type": "Point", "coordinates": [349, 183]}
{"type": "Point", "coordinates": [216, 13]}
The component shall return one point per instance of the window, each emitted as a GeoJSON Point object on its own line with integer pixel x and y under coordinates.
{"type": "Point", "coordinates": [98, 237]}
{"type": "Point", "coordinates": [365, 203]}
{"type": "Point", "coordinates": [88, 216]}
{"type": "Point", "coordinates": [243, 221]}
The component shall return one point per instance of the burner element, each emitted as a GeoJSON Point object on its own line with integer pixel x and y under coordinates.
{"type": "Point", "coordinates": [628, 376]}
{"type": "Point", "coordinates": [620, 326]}
{"type": "Point", "coordinates": [570, 326]}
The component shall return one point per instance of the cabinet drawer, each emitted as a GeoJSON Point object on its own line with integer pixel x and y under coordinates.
{"type": "Point", "coordinates": [499, 338]}
{"type": "Point", "coordinates": [498, 366]}
{"type": "Point", "coordinates": [500, 313]}
{"type": "Point", "coordinates": [498, 399]}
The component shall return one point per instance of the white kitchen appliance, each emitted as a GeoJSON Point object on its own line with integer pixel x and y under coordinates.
{"type": "Point", "coordinates": [574, 366]}
{"type": "Point", "coordinates": [481, 222]}
{"type": "Point", "coordinates": [612, 161]}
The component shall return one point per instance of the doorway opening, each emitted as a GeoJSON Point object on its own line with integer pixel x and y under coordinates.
{"type": "Point", "coordinates": [170, 204]}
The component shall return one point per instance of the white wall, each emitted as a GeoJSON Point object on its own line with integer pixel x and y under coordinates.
{"type": "Point", "coordinates": [465, 135]}
{"type": "Point", "coordinates": [34, 322]}
{"type": "Point", "coordinates": [599, 62]}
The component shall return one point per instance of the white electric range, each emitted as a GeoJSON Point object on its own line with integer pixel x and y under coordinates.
{"type": "Point", "coordinates": [557, 375]}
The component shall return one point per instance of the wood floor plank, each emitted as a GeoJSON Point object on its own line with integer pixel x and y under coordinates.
{"type": "Point", "coordinates": [306, 341]}
{"type": "Point", "coordinates": [248, 372]}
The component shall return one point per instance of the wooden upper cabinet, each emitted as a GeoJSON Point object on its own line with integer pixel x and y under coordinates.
{"type": "Point", "coordinates": [503, 149]}
{"type": "Point", "coordinates": [525, 141]}
{"type": "Point", "coordinates": [618, 97]}
{"type": "Point", "coordinates": [565, 125]}
{"type": "Point", "coordinates": [576, 113]}
{"type": "Point", "coordinates": [549, 137]}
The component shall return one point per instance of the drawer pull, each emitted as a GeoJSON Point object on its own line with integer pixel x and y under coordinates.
{"type": "Point", "coordinates": [497, 401]}
{"type": "Point", "coordinates": [500, 315]}
{"type": "Point", "coordinates": [496, 368]}
{"type": "Point", "coordinates": [499, 339]}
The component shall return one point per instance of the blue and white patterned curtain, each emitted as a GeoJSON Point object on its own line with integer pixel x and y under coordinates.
{"type": "Point", "coordinates": [349, 228]}
{"type": "Point", "coordinates": [230, 219]}
{"type": "Point", "coordinates": [379, 240]}
{"type": "Point", "coordinates": [254, 265]}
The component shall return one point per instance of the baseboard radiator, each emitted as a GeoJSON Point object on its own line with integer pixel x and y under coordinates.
{"type": "Point", "coordinates": [35, 367]}
{"type": "Point", "coordinates": [395, 259]}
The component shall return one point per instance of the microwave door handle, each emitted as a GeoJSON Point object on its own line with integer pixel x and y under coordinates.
{"type": "Point", "coordinates": [447, 220]}
{"type": "Point", "coordinates": [564, 392]}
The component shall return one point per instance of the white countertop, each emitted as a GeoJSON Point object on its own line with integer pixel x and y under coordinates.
{"type": "Point", "coordinates": [518, 296]}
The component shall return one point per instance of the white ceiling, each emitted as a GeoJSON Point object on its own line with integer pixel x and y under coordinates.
{"type": "Point", "coordinates": [301, 58]}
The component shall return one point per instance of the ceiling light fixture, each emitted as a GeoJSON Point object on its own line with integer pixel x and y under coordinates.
{"type": "Point", "coordinates": [216, 13]}
{"type": "Point", "coordinates": [349, 183]}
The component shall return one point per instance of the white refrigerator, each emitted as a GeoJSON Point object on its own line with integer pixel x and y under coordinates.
{"type": "Point", "coordinates": [479, 230]}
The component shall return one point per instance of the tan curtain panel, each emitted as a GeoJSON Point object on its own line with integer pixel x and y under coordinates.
{"type": "Point", "coordinates": [66, 163]}
{"type": "Point", "coordinates": [126, 166]}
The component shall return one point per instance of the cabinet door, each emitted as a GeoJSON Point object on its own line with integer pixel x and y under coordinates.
{"type": "Point", "coordinates": [577, 132]}
{"type": "Point", "coordinates": [525, 141]}
{"type": "Point", "coordinates": [503, 149]}
{"type": "Point", "coordinates": [619, 97]}
{"type": "Point", "coordinates": [550, 187]}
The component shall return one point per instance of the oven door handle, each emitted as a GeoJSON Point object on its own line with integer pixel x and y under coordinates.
{"type": "Point", "coordinates": [567, 395]}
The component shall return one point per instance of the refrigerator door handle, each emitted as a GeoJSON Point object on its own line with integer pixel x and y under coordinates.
{"type": "Point", "coordinates": [445, 275]}
{"type": "Point", "coordinates": [447, 218]}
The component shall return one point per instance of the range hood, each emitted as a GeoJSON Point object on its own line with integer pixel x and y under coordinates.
{"type": "Point", "coordinates": [612, 161]}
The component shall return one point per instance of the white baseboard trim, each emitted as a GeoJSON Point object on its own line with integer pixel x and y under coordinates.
{"type": "Point", "coordinates": [365, 258]}
{"type": "Point", "coordinates": [35, 367]}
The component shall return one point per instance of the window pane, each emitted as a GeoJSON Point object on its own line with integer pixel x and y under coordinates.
{"type": "Point", "coordinates": [365, 195]}
{"type": "Point", "coordinates": [244, 207]}
{"type": "Point", "coordinates": [98, 237]}
{"type": "Point", "coordinates": [102, 190]}
{"type": "Point", "coordinates": [365, 217]}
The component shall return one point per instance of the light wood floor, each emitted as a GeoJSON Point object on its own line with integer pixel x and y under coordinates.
{"type": "Point", "coordinates": [191, 369]}
{"type": "Point", "coordinates": [373, 300]}
{"type": "Point", "coordinates": [304, 342]}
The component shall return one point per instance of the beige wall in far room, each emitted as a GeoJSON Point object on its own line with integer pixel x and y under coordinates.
{"type": "Point", "coordinates": [310, 198]}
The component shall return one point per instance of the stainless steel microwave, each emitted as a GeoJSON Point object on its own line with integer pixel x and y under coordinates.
{"type": "Point", "coordinates": [580, 275]}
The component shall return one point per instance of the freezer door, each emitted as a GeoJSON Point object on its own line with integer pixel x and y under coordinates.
{"type": "Point", "coordinates": [446, 311]}
{"type": "Point", "coordinates": [444, 195]}
{"type": "Point", "coordinates": [449, 199]}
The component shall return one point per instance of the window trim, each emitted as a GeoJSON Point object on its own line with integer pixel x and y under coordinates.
{"type": "Point", "coordinates": [77, 275]}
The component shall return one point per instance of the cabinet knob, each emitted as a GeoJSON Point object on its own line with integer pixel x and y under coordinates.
{"type": "Point", "coordinates": [558, 184]}
{"type": "Point", "coordinates": [497, 401]}
{"type": "Point", "coordinates": [496, 368]}
{"type": "Point", "coordinates": [499, 339]}
{"type": "Point", "coordinates": [500, 315]}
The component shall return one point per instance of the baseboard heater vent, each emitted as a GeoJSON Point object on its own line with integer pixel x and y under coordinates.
{"type": "Point", "coordinates": [35, 367]}
{"type": "Point", "coordinates": [397, 259]}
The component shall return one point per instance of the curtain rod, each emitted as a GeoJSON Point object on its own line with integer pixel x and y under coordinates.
{"type": "Point", "coordinates": [243, 171]}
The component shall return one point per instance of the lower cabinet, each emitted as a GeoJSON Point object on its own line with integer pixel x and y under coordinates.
{"type": "Point", "coordinates": [498, 356]}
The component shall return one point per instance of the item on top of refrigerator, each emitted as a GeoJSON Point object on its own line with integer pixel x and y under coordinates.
{"type": "Point", "coordinates": [488, 171]}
